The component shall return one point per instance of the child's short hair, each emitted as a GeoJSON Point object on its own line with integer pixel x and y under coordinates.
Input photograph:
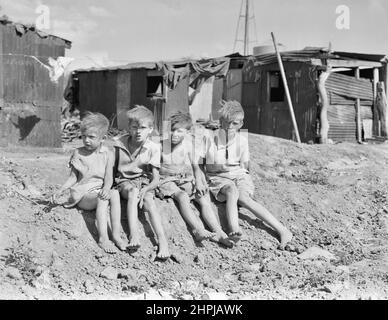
{"type": "Point", "coordinates": [181, 120]}
{"type": "Point", "coordinates": [231, 110]}
{"type": "Point", "coordinates": [140, 113]}
{"type": "Point", "coordinates": [95, 120]}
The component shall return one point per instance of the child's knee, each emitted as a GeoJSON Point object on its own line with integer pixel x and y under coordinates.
{"type": "Point", "coordinates": [244, 197]}
{"type": "Point", "coordinates": [148, 200]}
{"type": "Point", "coordinates": [114, 195]}
{"type": "Point", "coordinates": [131, 192]}
{"type": "Point", "coordinates": [181, 196]}
{"type": "Point", "coordinates": [230, 191]}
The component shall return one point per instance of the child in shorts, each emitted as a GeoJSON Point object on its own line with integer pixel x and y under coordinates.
{"type": "Point", "coordinates": [138, 163]}
{"type": "Point", "coordinates": [91, 179]}
{"type": "Point", "coordinates": [227, 163]}
{"type": "Point", "coordinates": [182, 180]}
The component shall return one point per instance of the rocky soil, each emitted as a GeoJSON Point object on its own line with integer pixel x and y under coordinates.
{"type": "Point", "coordinates": [334, 198]}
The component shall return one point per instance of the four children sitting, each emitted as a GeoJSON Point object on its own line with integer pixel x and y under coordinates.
{"type": "Point", "coordinates": [176, 167]}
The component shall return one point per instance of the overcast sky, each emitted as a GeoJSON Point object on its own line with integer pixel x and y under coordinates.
{"type": "Point", "coordinates": [151, 30]}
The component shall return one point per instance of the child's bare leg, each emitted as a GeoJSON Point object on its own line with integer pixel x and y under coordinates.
{"type": "Point", "coordinates": [190, 217]}
{"type": "Point", "coordinates": [211, 220]}
{"type": "Point", "coordinates": [231, 194]}
{"type": "Point", "coordinates": [262, 213]}
{"type": "Point", "coordinates": [156, 223]}
{"type": "Point", "coordinates": [115, 216]}
{"type": "Point", "coordinates": [91, 202]}
{"type": "Point", "coordinates": [131, 194]}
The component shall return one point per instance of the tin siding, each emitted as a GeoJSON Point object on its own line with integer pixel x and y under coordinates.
{"type": "Point", "coordinates": [273, 118]}
{"type": "Point", "coordinates": [97, 92]}
{"type": "Point", "coordinates": [27, 90]}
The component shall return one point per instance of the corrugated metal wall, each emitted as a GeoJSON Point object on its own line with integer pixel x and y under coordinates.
{"type": "Point", "coordinates": [343, 91]}
{"type": "Point", "coordinates": [273, 118]}
{"type": "Point", "coordinates": [31, 101]}
{"type": "Point", "coordinates": [97, 92]}
{"type": "Point", "coordinates": [113, 92]}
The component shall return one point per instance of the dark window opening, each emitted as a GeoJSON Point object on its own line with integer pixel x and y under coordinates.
{"type": "Point", "coordinates": [276, 87]}
{"type": "Point", "coordinates": [155, 86]}
{"type": "Point", "coordinates": [364, 73]}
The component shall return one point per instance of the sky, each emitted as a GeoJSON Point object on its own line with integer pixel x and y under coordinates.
{"type": "Point", "coordinates": [154, 30]}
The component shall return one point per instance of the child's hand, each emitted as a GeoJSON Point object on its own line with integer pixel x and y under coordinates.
{"type": "Point", "coordinates": [201, 188]}
{"type": "Point", "coordinates": [54, 196]}
{"type": "Point", "coordinates": [104, 194]}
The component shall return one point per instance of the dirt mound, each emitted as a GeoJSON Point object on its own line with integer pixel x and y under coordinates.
{"type": "Point", "coordinates": [333, 198]}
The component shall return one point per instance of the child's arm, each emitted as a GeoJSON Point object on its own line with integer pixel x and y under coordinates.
{"type": "Point", "coordinates": [68, 184]}
{"type": "Point", "coordinates": [200, 181]}
{"type": "Point", "coordinates": [153, 185]}
{"type": "Point", "coordinates": [245, 165]}
{"type": "Point", "coordinates": [108, 178]}
{"type": "Point", "coordinates": [244, 160]}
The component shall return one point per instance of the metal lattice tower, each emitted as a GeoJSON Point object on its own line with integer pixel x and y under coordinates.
{"type": "Point", "coordinates": [247, 14]}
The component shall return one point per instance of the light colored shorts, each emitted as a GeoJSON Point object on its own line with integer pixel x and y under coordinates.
{"type": "Point", "coordinates": [243, 182]}
{"type": "Point", "coordinates": [168, 189]}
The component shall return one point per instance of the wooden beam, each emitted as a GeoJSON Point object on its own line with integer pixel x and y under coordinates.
{"type": "Point", "coordinates": [376, 118]}
{"type": "Point", "coordinates": [1, 67]}
{"type": "Point", "coordinates": [353, 63]}
{"type": "Point", "coordinates": [358, 111]}
{"type": "Point", "coordinates": [381, 108]}
{"type": "Point", "coordinates": [386, 78]}
{"type": "Point", "coordinates": [323, 120]}
{"type": "Point", "coordinates": [286, 89]}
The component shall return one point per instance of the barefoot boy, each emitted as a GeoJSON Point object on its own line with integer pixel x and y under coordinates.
{"type": "Point", "coordinates": [91, 179]}
{"type": "Point", "coordinates": [227, 162]}
{"type": "Point", "coordinates": [178, 182]}
{"type": "Point", "coordinates": [138, 175]}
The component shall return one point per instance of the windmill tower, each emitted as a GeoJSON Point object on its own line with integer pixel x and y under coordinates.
{"type": "Point", "coordinates": [246, 19]}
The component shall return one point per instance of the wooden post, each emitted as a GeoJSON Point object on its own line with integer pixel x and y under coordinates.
{"type": "Point", "coordinates": [381, 106]}
{"type": "Point", "coordinates": [286, 89]}
{"type": "Point", "coordinates": [246, 29]}
{"type": "Point", "coordinates": [2, 28]}
{"type": "Point", "coordinates": [376, 117]}
{"type": "Point", "coordinates": [358, 111]}
{"type": "Point", "coordinates": [386, 78]}
{"type": "Point", "coordinates": [324, 122]}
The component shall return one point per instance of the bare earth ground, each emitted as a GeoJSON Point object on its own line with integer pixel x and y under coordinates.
{"type": "Point", "coordinates": [333, 197]}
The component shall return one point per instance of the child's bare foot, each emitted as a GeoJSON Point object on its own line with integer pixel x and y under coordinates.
{"type": "Point", "coordinates": [107, 246]}
{"type": "Point", "coordinates": [163, 253]}
{"type": "Point", "coordinates": [201, 235]}
{"type": "Point", "coordinates": [235, 236]}
{"type": "Point", "coordinates": [120, 243]}
{"type": "Point", "coordinates": [222, 238]}
{"type": "Point", "coordinates": [285, 237]}
{"type": "Point", "coordinates": [134, 243]}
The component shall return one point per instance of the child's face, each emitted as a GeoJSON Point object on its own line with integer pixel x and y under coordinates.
{"type": "Point", "coordinates": [232, 126]}
{"type": "Point", "coordinates": [177, 135]}
{"type": "Point", "coordinates": [140, 130]}
{"type": "Point", "coordinates": [92, 139]}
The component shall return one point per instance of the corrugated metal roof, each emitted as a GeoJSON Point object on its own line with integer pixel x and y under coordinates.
{"type": "Point", "coordinates": [309, 53]}
{"type": "Point", "coordinates": [153, 65]}
{"type": "Point", "coordinates": [362, 56]}
{"type": "Point", "coordinates": [21, 28]}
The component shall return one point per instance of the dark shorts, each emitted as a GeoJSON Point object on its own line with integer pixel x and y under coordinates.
{"type": "Point", "coordinates": [138, 183]}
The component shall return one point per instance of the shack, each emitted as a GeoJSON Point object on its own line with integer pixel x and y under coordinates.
{"type": "Point", "coordinates": [31, 85]}
{"type": "Point", "coordinates": [194, 86]}
{"type": "Point", "coordinates": [333, 94]}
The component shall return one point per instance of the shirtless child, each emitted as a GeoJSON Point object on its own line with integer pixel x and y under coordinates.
{"type": "Point", "coordinates": [91, 179]}
{"type": "Point", "coordinates": [182, 180]}
{"type": "Point", "coordinates": [227, 169]}
{"type": "Point", "coordinates": [138, 175]}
